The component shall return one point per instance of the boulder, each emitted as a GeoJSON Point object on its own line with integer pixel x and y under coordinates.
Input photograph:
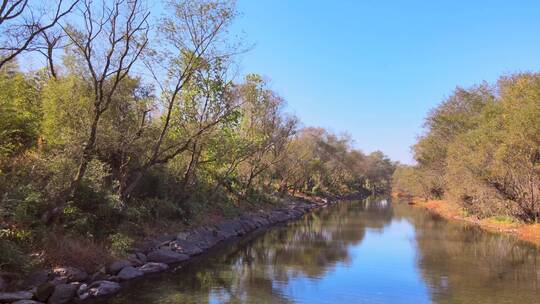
{"type": "Point", "coordinates": [165, 239]}
{"type": "Point", "coordinates": [58, 280]}
{"type": "Point", "coordinates": [15, 296]}
{"type": "Point", "coordinates": [37, 278]}
{"type": "Point", "coordinates": [141, 256]}
{"type": "Point", "coordinates": [63, 293]}
{"type": "Point", "coordinates": [166, 256]}
{"type": "Point", "coordinates": [228, 228]}
{"type": "Point", "coordinates": [153, 267]}
{"type": "Point", "coordinates": [206, 237]}
{"type": "Point", "coordinates": [129, 273]}
{"type": "Point", "coordinates": [185, 247]}
{"type": "Point", "coordinates": [27, 302]}
{"type": "Point", "coordinates": [99, 276]}
{"type": "Point", "coordinates": [3, 284]}
{"type": "Point", "coordinates": [116, 266]}
{"type": "Point", "coordinates": [82, 289]}
{"type": "Point", "coordinates": [182, 235]}
{"type": "Point", "coordinates": [100, 289]}
{"type": "Point", "coordinates": [72, 274]}
{"type": "Point", "coordinates": [134, 260]}
{"type": "Point", "coordinates": [44, 291]}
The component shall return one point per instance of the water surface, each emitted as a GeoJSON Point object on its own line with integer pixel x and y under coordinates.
{"type": "Point", "coordinates": [370, 251]}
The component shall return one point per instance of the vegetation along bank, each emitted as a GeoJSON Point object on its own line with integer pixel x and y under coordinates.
{"type": "Point", "coordinates": [479, 158]}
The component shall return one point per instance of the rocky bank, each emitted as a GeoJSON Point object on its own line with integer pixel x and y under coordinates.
{"type": "Point", "coordinates": [71, 285]}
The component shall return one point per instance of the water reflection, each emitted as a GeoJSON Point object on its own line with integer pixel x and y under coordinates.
{"type": "Point", "coordinates": [355, 252]}
{"type": "Point", "coordinates": [463, 264]}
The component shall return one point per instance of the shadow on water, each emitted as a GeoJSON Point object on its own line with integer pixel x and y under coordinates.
{"type": "Point", "coordinates": [369, 251]}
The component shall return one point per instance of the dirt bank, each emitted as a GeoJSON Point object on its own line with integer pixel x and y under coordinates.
{"type": "Point", "coordinates": [452, 211]}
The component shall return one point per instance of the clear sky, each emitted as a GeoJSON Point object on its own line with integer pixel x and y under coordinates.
{"type": "Point", "coordinates": [374, 68]}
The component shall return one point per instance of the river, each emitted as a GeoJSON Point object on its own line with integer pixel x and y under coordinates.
{"type": "Point", "coordinates": [370, 251]}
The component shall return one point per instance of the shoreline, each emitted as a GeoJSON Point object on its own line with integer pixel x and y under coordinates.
{"type": "Point", "coordinates": [453, 212]}
{"type": "Point", "coordinates": [69, 284]}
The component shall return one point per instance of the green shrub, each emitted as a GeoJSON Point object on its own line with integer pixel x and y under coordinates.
{"type": "Point", "coordinates": [120, 243]}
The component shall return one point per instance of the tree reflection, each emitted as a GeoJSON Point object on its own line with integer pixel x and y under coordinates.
{"type": "Point", "coordinates": [256, 271]}
{"type": "Point", "coordinates": [463, 264]}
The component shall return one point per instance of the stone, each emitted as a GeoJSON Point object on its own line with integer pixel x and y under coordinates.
{"type": "Point", "coordinates": [152, 267]}
{"type": "Point", "coordinates": [185, 247]}
{"type": "Point", "coordinates": [141, 256]}
{"type": "Point", "coordinates": [37, 278]}
{"type": "Point", "coordinates": [3, 284]}
{"type": "Point", "coordinates": [134, 260]}
{"type": "Point", "coordinates": [27, 302]}
{"type": "Point", "coordinates": [182, 235]}
{"type": "Point", "coordinates": [116, 266]}
{"type": "Point", "coordinates": [59, 280]}
{"type": "Point", "coordinates": [44, 291]}
{"type": "Point", "coordinates": [99, 276]}
{"type": "Point", "coordinates": [63, 293]}
{"type": "Point", "coordinates": [228, 228]}
{"type": "Point", "coordinates": [205, 237]}
{"type": "Point", "coordinates": [129, 273]}
{"type": "Point", "coordinates": [100, 289]}
{"type": "Point", "coordinates": [165, 239]}
{"type": "Point", "coordinates": [82, 289]}
{"type": "Point", "coordinates": [166, 256]}
{"type": "Point", "coordinates": [72, 274]}
{"type": "Point", "coordinates": [15, 296]}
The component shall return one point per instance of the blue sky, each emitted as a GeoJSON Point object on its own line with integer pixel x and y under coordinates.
{"type": "Point", "coordinates": [374, 68]}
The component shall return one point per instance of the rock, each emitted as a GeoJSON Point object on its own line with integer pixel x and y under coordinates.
{"type": "Point", "coordinates": [100, 289]}
{"type": "Point", "coordinates": [58, 280]}
{"type": "Point", "coordinates": [44, 291]}
{"type": "Point", "coordinates": [116, 266]}
{"type": "Point", "coordinates": [185, 247]}
{"type": "Point", "coordinates": [129, 273]}
{"type": "Point", "coordinates": [182, 235]}
{"type": "Point", "coordinates": [153, 267]}
{"type": "Point", "coordinates": [205, 237]}
{"type": "Point", "coordinates": [99, 276]}
{"type": "Point", "coordinates": [15, 296]}
{"type": "Point", "coordinates": [166, 256]}
{"type": "Point", "coordinates": [72, 274]}
{"type": "Point", "coordinates": [228, 228]}
{"type": "Point", "coordinates": [141, 256]}
{"type": "Point", "coordinates": [37, 278]}
{"type": "Point", "coordinates": [63, 293]}
{"type": "Point", "coordinates": [82, 289]}
{"type": "Point", "coordinates": [27, 302]}
{"type": "Point", "coordinates": [3, 284]}
{"type": "Point", "coordinates": [165, 239]}
{"type": "Point", "coordinates": [134, 260]}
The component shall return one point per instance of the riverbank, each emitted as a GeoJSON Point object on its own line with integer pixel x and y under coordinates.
{"type": "Point", "coordinates": [69, 284]}
{"type": "Point", "coordinates": [452, 211]}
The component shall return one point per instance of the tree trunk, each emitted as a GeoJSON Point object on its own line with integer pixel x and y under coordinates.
{"type": "Point", "coordinates": [86, 155]}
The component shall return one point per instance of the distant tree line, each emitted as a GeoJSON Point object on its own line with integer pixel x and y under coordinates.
{"type": "Point", "coordinates": [134, 119]}
{"type": "Point", "coordinates": [482, 149]}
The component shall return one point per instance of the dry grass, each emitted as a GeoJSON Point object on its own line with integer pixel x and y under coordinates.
{"type": "Point", "coordinates": [79, 252]}
{"type": "Point", "coordinates": [530, 233]}
{"type": "Point", "coordinates": [452, 211]}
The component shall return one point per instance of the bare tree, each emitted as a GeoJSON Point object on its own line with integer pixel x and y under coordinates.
{"type": "Point", "coordinates": [110, 41]}
{"type": "Point", "coordinates": [21, 23]}
{"type": "Point", "coordinates": [191, 37]}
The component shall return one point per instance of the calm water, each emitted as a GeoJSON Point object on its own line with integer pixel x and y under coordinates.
{"type": "Point", "coordinates": [372, 251]}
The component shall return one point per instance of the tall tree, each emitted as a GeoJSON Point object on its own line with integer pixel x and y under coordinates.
{"type": "Point", "coordinates": [109, 42]}
{"type": "Point", "coordinates": [191, 37]}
